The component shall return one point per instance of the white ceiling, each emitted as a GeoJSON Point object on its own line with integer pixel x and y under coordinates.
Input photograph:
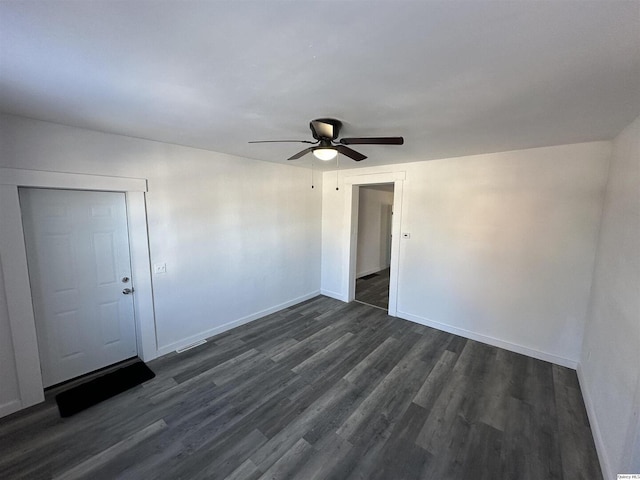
{"type": "Point", "coordinates": [454, 78]}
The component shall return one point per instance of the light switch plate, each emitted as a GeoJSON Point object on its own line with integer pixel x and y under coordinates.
{"type": "Point", "coordinates": [159, 268]}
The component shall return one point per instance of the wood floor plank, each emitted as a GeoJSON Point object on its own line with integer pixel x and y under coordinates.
{"type": "Point", "coordinates": [546, 437]}
{"type": "Point", "coordinates": [328, 451]}
{"type": "Point", "coordinates": [316, 341]}
{"type": "Point", "coordinates": [323, 353]}
{"type": "Point", "coordinates": [320, 390]}
{"type": "Point", "coordinates": [200, 361]}
{"type": "Point", "coordinates": [491, 406]}
{"type": "Point", "coordinates": [246, 471]}
{"type": "Point", "coordinates": [364, 456]}
{"type": "Point", "coordinates": [516, 456]}
{"type": "Point", "coordinates": [290, 462]}
{"type": "Point", "coordinates": [389, 345]}
{"type": "Point", "coordinates": [453, 452]}
{"type": "Point", "coordinates": [404, 377]}
{"type": "Point", "coordinates": [443, 416]}
{"type": "Point", "coordinates": [298, 427]}
{"type": "Point", "coordinates": [483, 458]}
{"type": "Point", "coordinates": [401, 458]}
{"type": "Point", "coordinates": [220, 465]}
{"type": "Point", "coordinates": [573, 426]}
{"type": "Point", "coordinates": [436, 379]}
{"type": "Point", "coordinates": [84, 469]}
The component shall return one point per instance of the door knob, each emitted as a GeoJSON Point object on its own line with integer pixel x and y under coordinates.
{"type": "Point", "coordinates": [127, 291]}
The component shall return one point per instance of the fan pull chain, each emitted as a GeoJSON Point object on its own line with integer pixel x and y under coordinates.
{"type": "Point", "coordinates": [337, 170]}
{"type": "Point", "coordinates": [312, 186]}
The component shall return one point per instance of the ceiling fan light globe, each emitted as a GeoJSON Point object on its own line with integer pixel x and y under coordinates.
{"type": "Point", "coordinates": [325, 154]}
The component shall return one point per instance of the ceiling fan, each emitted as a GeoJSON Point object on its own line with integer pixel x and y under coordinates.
{"type": "Point", "coordinates": [326, 131]}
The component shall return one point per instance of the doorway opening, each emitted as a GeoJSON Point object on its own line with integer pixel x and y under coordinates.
{"type": "Point", "coordinates": [373, 244]}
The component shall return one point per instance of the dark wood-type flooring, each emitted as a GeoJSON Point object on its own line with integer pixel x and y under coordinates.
{"type": "Point", "coordinates": [321, 390]}
{"type": "Point", "coordinates": [374, 289]}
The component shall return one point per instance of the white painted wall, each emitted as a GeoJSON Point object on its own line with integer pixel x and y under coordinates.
{"type": "Point", "coordinates": [502, 245]}
{"type": "Point", "coordinates": [609, 370]}
{"type": "Point", "coordinates": [373, 230]}
{"type": "Point", "coordinates": [240, 238]}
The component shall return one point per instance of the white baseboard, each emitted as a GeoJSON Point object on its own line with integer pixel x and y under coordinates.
{"type": "Point", "coordinates": [10, 407]}
{"type": "Point", "coordinates": [232, 324]}
{"type": "Point", "coordinates": [336, 295]}
{"type": "Point", "coordinates": [605, 464]}
{"type": "Point", "coordinates": [513, 347]}
{"type": "Point", "coordinates": [370, 271]}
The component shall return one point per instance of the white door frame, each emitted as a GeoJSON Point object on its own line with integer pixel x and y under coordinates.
{"type": "Point", "coordinates": [16, 275]}
{"type": "Point", "coordinates": [352, 187]}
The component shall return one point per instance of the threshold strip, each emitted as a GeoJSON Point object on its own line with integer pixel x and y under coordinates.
{"type": "Point", "coordinates": [374, 306]}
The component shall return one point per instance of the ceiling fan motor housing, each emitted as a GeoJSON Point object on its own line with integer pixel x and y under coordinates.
{"type": "Point", "coordinates": [325, 128]}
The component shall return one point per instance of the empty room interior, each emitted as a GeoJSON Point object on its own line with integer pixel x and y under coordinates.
{"type": "Point", "coordinates": [319, 239]}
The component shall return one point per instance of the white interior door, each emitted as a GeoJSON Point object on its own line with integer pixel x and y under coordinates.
{"type": "Point", "coordinates": [79, 265]}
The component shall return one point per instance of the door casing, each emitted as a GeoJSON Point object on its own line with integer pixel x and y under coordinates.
{"type": "Point", "coordinates": [350, 242]}
{"type": "Point", "coordinates": [16, 275]}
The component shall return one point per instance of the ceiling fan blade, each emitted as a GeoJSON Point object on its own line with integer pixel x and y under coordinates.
{"type": "Point", "coordinates": [301, 154]}
{"type": "Point", "coordinates": [283, 141]}
{"type": "Point", "coordinates": [357, 156]}
{"type": "Point", "coordinates": [373, 141]}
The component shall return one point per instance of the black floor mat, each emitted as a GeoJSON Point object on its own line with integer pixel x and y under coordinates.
{"type": "Point", "coordinates": [106, 386]}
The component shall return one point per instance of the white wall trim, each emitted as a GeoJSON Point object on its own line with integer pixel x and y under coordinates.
{"type": "Point", "coordinates": [605, 464]}
{"type": "Point", "coordinates": [18, 294]}
{"type": "Point", "coordinates": [350, 256]}
{"type": "Point", "coordinates": [373, 178]}
{"type": "Point", "coordinates": [143, 305]}
{"type": "Point", "coordinates": [350, 239]}
{"type": "Point", "coordinates": [73, 181]}
{"type": "Point", "coordinates": [234, 323]}
{"type": "Point", "coordinates": [16, 273]}
{"type": "Point", "coordinates": [332, 294]}
{"type": "Point", "coordinates": [9, 407]}
{"type": "Point", "coordinates": [513, 347]}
